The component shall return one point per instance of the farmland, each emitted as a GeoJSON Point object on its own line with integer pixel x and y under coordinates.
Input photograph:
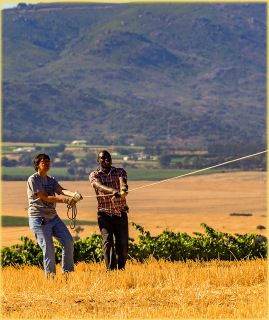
{"type": "Point", "coordinates": [133, 174]}
{"type": "Point", "coordinates": [180, 204]}
{"type": "Point", "coordinates": [153, 289]}
{"type": "Point", "coordinates": [74, 162]}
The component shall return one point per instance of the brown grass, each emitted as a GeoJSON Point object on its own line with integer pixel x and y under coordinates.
{"type": "Point", "coordinates": [162, 290]}
{"type": "Point", "coordinates": [181, 204]}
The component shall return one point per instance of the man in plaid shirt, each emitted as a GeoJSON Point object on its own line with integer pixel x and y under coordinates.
{"type": "Point", "coordinates": [111, 188]}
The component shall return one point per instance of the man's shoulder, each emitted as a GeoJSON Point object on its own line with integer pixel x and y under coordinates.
{"type": "Point", "coordinates": [95, 172]}
{"type": "Point", "coordinates": [113, 170]}
{"type": "Point", "coordinates": [118, 170]}
{"type": "Point", "coordinates": [33, 176]}
{"type": "Point", "coordinates": [51, 178]}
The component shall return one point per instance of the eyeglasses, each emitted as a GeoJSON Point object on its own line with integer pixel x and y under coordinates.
{"type": "Point", "coordinates": [45, 161]}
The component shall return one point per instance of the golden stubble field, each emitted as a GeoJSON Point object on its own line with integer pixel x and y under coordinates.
{"type": "Point", "coordinates": [181, 204]}
{"type": "Point", "coordinates": [152, 290]}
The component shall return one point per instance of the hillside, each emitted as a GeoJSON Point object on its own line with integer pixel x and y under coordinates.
{"type": "Point", "coordinates": [185, 74]}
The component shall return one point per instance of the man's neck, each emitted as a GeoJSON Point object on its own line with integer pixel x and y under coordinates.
{"type": "Point", "coordinates": [42, 174]}
{"type": "Point", "coordinates": [106, 170]}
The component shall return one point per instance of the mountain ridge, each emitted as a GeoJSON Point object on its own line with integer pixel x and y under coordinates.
{"type": "Point", "coordinates": [185, 74]}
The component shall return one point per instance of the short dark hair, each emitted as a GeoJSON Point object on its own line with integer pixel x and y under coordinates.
{"type": "Point", "coordinates": [38, 158]}
{"type": "Point", "coordinates": [104, 152]}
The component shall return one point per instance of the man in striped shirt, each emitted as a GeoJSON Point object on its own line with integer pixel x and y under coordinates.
{"type": "Point", "coordinates": [111, 188]}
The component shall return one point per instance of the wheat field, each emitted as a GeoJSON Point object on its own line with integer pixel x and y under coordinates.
{"type": "Point", "coordinates": [152, 290]}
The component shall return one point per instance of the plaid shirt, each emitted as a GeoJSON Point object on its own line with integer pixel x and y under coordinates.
{"type": "Point", "coordinates": [106, 204]}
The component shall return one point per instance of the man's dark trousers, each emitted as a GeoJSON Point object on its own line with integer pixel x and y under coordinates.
{"type": "Point", "coordinates": [109, 225]}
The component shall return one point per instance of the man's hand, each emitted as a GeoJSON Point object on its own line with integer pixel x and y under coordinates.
{"type": "Point", "coordinates": [77, 196]}
{"type": "Point", "coordinates": [72, 201]}
{"type": "Point", "coordinates": [69, 201]}
{"type": "Point", "coordinates": [124, 192]}
{"type": "Point", "coordinates": [115, 194]}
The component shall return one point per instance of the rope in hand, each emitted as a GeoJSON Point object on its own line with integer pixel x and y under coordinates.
{"type": "Point", "coordinates": [184, 175]}
{"type": "Point", "coordinates": [72, 206]}
{"type": "Point", "coordinates": [74, 212]}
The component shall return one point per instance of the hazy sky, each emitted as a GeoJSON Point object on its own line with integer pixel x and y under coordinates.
{"type": "Point", "coordinates": [6, 5]}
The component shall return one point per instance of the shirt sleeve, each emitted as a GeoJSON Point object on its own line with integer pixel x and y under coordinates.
{"type": "Point", "coordinates": [35, 185]}
{"type": "Point", "coordinates": [56, 184]}
{"type": "Point", "coordinates": [123, 174]}
{"type": "Point", "coordinates": [93, 177]}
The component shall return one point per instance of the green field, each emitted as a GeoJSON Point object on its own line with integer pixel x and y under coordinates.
{"type": "Point", "coordinates": [11, 145]}
{"type": "Point", "coordinates": [26, 144]}
{"type": "Point", "coordinates": [22, 173]}
{"type": "Point", "coordinates": [10, 221]}
{"type": "Point", "coordinates": [161, 174]}
{"type": "Point", "coordinates": [27, 171]}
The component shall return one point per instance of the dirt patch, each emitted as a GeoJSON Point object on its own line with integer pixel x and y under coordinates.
{"type": "Point", "coordinates": [181, 204]}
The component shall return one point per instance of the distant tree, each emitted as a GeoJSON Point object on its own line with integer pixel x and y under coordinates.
{"type": "Point", "coordinates": [27, 159]}
{"type": "Point", "coordinates": [153, 150]}
{"type": "Point", "coordinates": [99, 140]}
{"type": "Point", "coordinates": [91, 159]}
{"type": "Point", "coordinates": [71, 170]}
{"type": "Point", "coordinates": [164, 160]}
{"type": "Point", "coordinates": [88, 161]}
{"type": "Point", "coordinates": [83, 163]}
{"type": "Point", "coordinates": [9, 163]}
{"type": "Point", "coordinates": [123, 151]}
{"type": "Point", "coordinates": [67, 155]}
{"type": "Point", "coordinates": [60, 147]}
{"type": "Point", "coordinates": [61, 164]}
{"type": "Point", "coordinates": [52, 151]}
{"type": "Point", "coordinates": [76, 169]}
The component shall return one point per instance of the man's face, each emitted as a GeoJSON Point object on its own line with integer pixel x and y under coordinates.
{"type": "Point", "coordinates": [44, 165]}
{"type": "Point", "coordinates": [105, 160]}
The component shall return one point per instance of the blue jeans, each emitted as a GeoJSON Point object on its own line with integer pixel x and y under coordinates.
{"type": "Point", "coordinates": [44, 235]}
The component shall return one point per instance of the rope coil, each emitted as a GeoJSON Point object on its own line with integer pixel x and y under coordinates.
{"type": "Point", "coordinates": [74, 212]}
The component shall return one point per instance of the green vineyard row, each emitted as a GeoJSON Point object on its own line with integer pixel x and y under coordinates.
{"type": "Point", "coordinates": [167, 245]}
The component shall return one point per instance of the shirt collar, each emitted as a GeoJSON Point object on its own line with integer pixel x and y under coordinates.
{"type": "Point", "coordinates": [111, 169]}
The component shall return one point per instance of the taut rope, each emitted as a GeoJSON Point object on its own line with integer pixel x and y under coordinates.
{"type": "Point", "coordinates": [184, 175]}
{"type": "Point", "coordinates": [74, 208]}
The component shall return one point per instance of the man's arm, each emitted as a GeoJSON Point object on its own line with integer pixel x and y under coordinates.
{"type": "Point", "coordinates": [103, 188]}
{"type": "Point", "coordinates": [123, 183]}
{"type": "Point", "coordinates": [43, 195]}
{"type": "Point", "coordinates": [123, 187]}
{"type": "Point", "coordinates": [71, 197]}
{"type": "Point", "coordinates": [64, 192]}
